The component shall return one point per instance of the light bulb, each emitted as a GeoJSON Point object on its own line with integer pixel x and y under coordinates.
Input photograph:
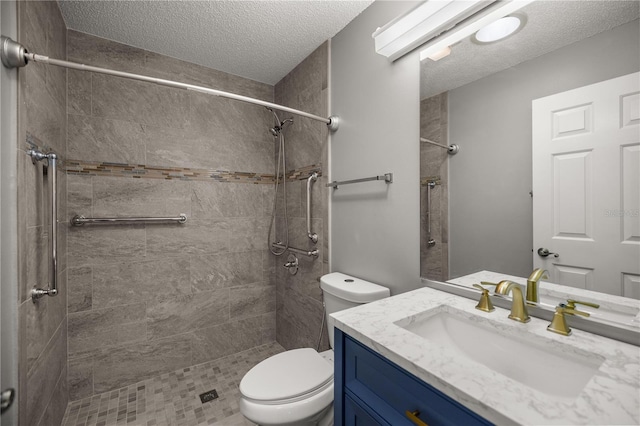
{"type": "Point", "coordinates": [499, 29]}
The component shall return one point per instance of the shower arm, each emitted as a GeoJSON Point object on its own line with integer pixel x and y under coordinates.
{"type": "Point", "coordinates": [312, 235]}
{"type": "Point", "coordinates": [451, 149]}
{"type": "Point", "coordinates": [14, 54]}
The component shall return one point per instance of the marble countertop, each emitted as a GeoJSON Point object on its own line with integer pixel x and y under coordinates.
{"type": "Point", "coordinates": [612, 396]}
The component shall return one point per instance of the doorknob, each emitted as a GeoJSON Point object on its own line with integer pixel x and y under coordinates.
{"type": "Point", "coordinates": [543, 252]}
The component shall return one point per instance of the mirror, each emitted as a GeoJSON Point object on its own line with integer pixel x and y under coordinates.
{"type": "Point", "coordinates": [480, 98]}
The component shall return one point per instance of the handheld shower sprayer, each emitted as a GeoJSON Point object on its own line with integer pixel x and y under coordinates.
{"type": "Point", "coordinates": [275, 130]}
{"type": "Point", "coordinates": [280, 180]}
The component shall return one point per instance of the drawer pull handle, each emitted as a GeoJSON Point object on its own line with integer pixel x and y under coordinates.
{"type": "Point", "coordinates": [413, 416]}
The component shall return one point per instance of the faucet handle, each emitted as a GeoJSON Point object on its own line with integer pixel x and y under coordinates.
{"type": "Point", "coordinates": [485, 303]}
{"type": "Point", "coordinates": [479, 287]}
{"type": "Point", "coordinates": [575, 311]}
{"type": "Point", "coordinates": [571, 304]}
{"type": "Point", "coordinates": [559, 322]}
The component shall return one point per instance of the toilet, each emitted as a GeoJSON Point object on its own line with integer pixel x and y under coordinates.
{"type": "Point", "coordinates": [296, 387]}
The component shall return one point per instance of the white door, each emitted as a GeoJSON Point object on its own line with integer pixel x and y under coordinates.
{"type": "Point", "coordinates": [586, 186]}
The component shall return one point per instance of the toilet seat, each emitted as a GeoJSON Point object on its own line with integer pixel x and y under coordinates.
{"type": "Point", "coordinates": [287, 377]}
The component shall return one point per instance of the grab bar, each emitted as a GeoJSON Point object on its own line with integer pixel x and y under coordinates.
{"type": "Point", "coordinates": [312, 235]}
{"type": "Point", "coordinates": [387, 177]}
{"type": "Point", "coordinates": [430, 241]}
{"type": "Point", "coordinates": [310, 253]}
{"type": "Point", "coordinates": [52, 288]}
{"type": "Point", "coordinates": [78, 220]}
{"type": "Point", "coordinates": [430, 185]}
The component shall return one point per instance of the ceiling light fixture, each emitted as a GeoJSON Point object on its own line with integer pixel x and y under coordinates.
{"type": "Point", "coordinates": [486, 16]}
{"type": "Point", "coordinates": [423, 23]}
{"type": "Point", "coordinates": [441, 54]}
{"type": "Point", "coordinates": [498, 30]}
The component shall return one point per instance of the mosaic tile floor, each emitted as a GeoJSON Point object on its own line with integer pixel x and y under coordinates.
{"type": "Point", "coordinates": [172, 399]}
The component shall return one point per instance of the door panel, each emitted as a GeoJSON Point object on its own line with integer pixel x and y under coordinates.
{"type": "Point", "coordinates": [572, 121]}
{"type": "Point", "coordinates": [574, 276]}
{"type": "Point", "coordinates": [586, 185]}
{"type": "Point", "coordinates": [631, 193]}
{"type": "Point", "coordinates": [572, 195]}
{"type": "Point", "coordinates": [630, 110]}
{"type": "Point", "coordinates": [631, 285]}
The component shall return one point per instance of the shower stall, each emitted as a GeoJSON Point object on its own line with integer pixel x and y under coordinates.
{"type": "Point", "coordinates": [139, 304]}
{"type": "Point", "coordinates": [434, 188]}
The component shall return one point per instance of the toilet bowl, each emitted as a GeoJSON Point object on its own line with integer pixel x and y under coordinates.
{"type": "Point", "coordinates": [295, 387]}
{"type": "Point", "coordinates": [291, 388]}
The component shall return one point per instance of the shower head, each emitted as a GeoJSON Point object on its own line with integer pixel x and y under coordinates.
{"type": "Point", "coordinates": [275, 130]}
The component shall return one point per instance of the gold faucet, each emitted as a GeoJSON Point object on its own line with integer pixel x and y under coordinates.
{"type": "Point", "coordinates": [518, 307]}
{"type": "Point", "coordinates": [532, 284]}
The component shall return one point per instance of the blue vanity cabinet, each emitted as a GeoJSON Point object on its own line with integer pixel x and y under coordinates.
{"type": "Point", "coordinates": [371, 390]}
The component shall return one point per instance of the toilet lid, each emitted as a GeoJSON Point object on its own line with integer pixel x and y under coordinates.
{"type": "Point", "coordinates": [287, 375]}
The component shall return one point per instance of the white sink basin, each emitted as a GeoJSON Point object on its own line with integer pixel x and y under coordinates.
{"type": "Point", "coordinates": [527, 358]}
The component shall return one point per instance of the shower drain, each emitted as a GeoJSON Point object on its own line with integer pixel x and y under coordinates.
{"type": "Point", "coordinates": [208, 396]}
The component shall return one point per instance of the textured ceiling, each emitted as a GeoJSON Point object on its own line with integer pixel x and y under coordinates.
{"type": "Point", "coordinates": [260, 40]}
{"type": "Point", "coordinates": [550, 25]}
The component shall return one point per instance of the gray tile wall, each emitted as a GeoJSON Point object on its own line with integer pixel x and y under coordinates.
{"type": "Point", "coordinates": [42, 102]}
{"type": "Point", "coordinates": [434, 261]}
{"type": "Point", "coordinates": [149, 299]}
{"type": "Point", "coordinates": [299, 298]}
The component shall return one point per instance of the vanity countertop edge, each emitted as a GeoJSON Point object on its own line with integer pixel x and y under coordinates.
{"type": "Point", "coordinates": [612, 396]}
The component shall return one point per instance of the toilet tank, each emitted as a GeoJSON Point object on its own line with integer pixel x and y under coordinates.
{"type": "Point", "coordinates": [342, 291]}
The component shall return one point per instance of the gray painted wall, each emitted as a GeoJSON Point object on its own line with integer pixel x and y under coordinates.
{"type": "Point", "coordinates": [490, 179]}
{"type": "Point", "coordinates": [8, 217]}
{"type": "Point", "coordinates": [375, 232]}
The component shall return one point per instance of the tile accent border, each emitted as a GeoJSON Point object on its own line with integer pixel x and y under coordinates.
{"type": "Point", "coordinates": [141, 171]}
{"type": "Point", "coordinates": [426, 180]}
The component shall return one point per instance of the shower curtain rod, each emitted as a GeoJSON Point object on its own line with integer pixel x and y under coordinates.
{"type": "Point", "coordinates": [451, 149]}
{"type": "Point", "coordinates": [15, 55]}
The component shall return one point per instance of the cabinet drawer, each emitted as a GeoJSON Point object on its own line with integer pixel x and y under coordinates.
{"type": "Point", "coordinates": [355, 415]}
{"type": "Point", "coordinates": [390, 391]}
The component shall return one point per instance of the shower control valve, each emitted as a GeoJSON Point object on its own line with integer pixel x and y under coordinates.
{"type": "Point", "coordinates": [292, 264]}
